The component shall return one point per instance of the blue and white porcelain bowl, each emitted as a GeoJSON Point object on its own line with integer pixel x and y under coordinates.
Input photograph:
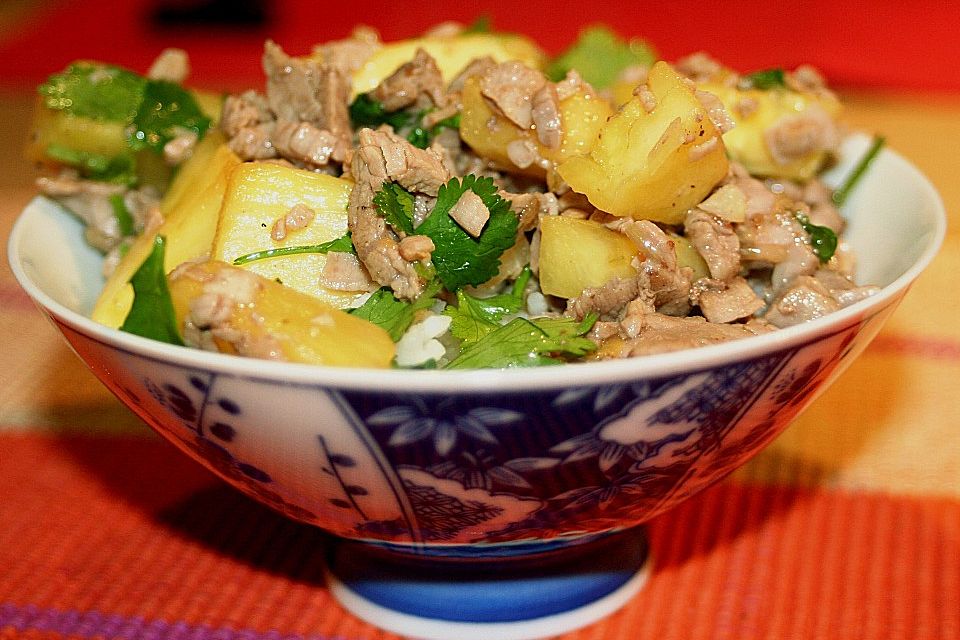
{"type": "Point", "coordinates": [487, 503]}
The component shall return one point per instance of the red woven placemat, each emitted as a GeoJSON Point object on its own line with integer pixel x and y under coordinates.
{"type": "Point", "coordinates": [123, 537]}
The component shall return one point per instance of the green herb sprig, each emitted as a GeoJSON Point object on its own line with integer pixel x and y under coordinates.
{"type": "Point", "coordinates": [392, 315]}
{"type": "Point", "coordinates": [474, 317]}
{"type": "Point", "coordinates": [343, 244]}
{"type": "Point", "coordinates": [600, 55]}
{"type": "Point", "coordinates": [526, 343]}
{"type": "Point", "coordinates": [151, 314]}
{"type": "Point", "coordinates": [843, 191]}
{"type": "Point", "coordinates": [368, 112]}
{"type": "Point", "coordinates": [122, 214]}
{"type": "Point", "coordinates": [823, 240]}
{"type": "Point", "coordinates": [764, 80]}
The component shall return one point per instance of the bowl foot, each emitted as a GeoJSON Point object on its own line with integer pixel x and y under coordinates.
{"type": "Point", "coordinates": [518, 599]}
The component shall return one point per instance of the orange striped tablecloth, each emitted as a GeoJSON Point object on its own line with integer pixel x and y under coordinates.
{"type": "Point", "coordinates": [848, 526]}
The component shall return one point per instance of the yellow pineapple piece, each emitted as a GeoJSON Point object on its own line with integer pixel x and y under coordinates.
{"type": "Point", "coordinates": [757, 111]}
{"type": "Point", "coordinates": [578, 254]}
{"type": "Point", "coordinates": [452, 54]}
{"type": "Point", "coordinates": [652, 164]}
{"type": "Point", "coordinates": [269, 320]}
{"type": "Point", "coordinates": [259, 194]}
{"type": "Point", "coordinates": [688, 256]}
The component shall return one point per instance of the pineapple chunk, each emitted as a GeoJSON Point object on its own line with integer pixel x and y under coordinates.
{"type": "Point", "coordinates": [452, 54]}
{"type": "Point", "coordinates": [580, 254]}
{"type": "Point", "coordinates": [190, 210]}
{"type": "Point", "coordinates": [76, 133]}
{"type": "Point", "coordinates": [688, 256]}
{"type": "Point", "coordinates": [270, 320]}
{"type": "Point", "coordinates": [757, 111]}
{"type": "Point", "coordinates": [261, 193]}
{"type": "Point", "coordinates": [652, 165]}
{"type": "Point", "coordinates": [489, 133]}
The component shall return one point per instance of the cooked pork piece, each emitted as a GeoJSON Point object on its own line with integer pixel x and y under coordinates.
{"type": "Point", "coordinates": [416, 83]}
{"type": "Point", "coordinates": [805, 299]}
{"type": "Point", "coordinates": [349, 54]}
{"type": "Point", "coordinates": [644, 333]}
{"type": "Point", "coordinates": [304, 90]}
{"type": "Point", "coordinates": [383, 156]}
{"type": "Point", "coordinates": [609, 300]}
{"type": "Point", "coordinates": [172, 65]}
{"type": "Point", "coordinates": [716, 241]}
{"type": "Point", "coordinates": [795, 136]}
{"type": "Point", "coordinates": [669, 283]}
{"type": "Point", "coordinates": [726, 301]}
{"type": "Point", "coordinates": [510, 86]}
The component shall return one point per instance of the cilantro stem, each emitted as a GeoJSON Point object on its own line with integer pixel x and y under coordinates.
{"type": "Point", "coordinates": [341, 244]}
{"type": "Point", "coordinates": [122, 214]}
{"type": "Point", "coordinates": [843, 191]}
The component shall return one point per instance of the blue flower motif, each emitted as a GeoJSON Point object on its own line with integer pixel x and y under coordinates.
{"type": "Point", "coordinates": [419, 421]}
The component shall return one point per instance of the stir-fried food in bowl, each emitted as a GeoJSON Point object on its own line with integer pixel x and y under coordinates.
{"type": "Point", "coordinates": [459, 200]}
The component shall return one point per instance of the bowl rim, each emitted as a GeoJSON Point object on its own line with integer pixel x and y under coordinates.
{"type": "Point", "coordinates": [498, 380]}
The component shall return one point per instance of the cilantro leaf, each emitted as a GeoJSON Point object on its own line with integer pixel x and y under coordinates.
{"type": "Point", "coordinates": [823, 240]}
{"type": "Point", "coordinates": [764, 80]}
{"type": "Point", "coordinates": [475, 317]}
{"type": "Point", "coordinates": [525, 343]}
{"type": "Point", "coordinates": [459, 258]}
{"type": "Point", "coordinates": [98, 91]}
{"type": "Point", "coordinates": [122, 214]}
{"type": "Point", "coordinates": [343, 244]}
{"type": "Point", "coordinates": [166, 108]}
{"type": "Point", "coordinates": [451, 122]}
{"type": "Point", "coordinates": [392, 315]}
{"type": "Point", "coordinates": [421, 138]}
{"type": "Point", "coordinates": [395, 204]}
{"type": "Point", "coordinates": [152, 315]}
{"type": "Point", "coordinates": [599, 55]}
{"type": "Point", "coordinates": [367, 112]}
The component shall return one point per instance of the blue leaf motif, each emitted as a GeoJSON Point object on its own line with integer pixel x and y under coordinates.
{"type": "Point", "coordinates": [475, 429]}
{"type": "Point", "coordinates": [508, 477]}
{"type": "Point", "coordinates": [531, 464]}
{"type": "Point", "coordinates": [392, 416]}
{"type": "Point", "coordinates": [444, 438]}
{"type": "Point", "coordinates": [606, 396]}
{"type": "Point", "coordinates": [571, 396]}
{"type": "Point", "coordinates": [411, 431]}
{"type": "Point", "coordinates": [572, 444]}
{"type": "Point", "coordinates": [342, 461]}
{"type": "Point", "coordinates": [494, 416]}
{"type": "Point", "coordinates": [583, 453]}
